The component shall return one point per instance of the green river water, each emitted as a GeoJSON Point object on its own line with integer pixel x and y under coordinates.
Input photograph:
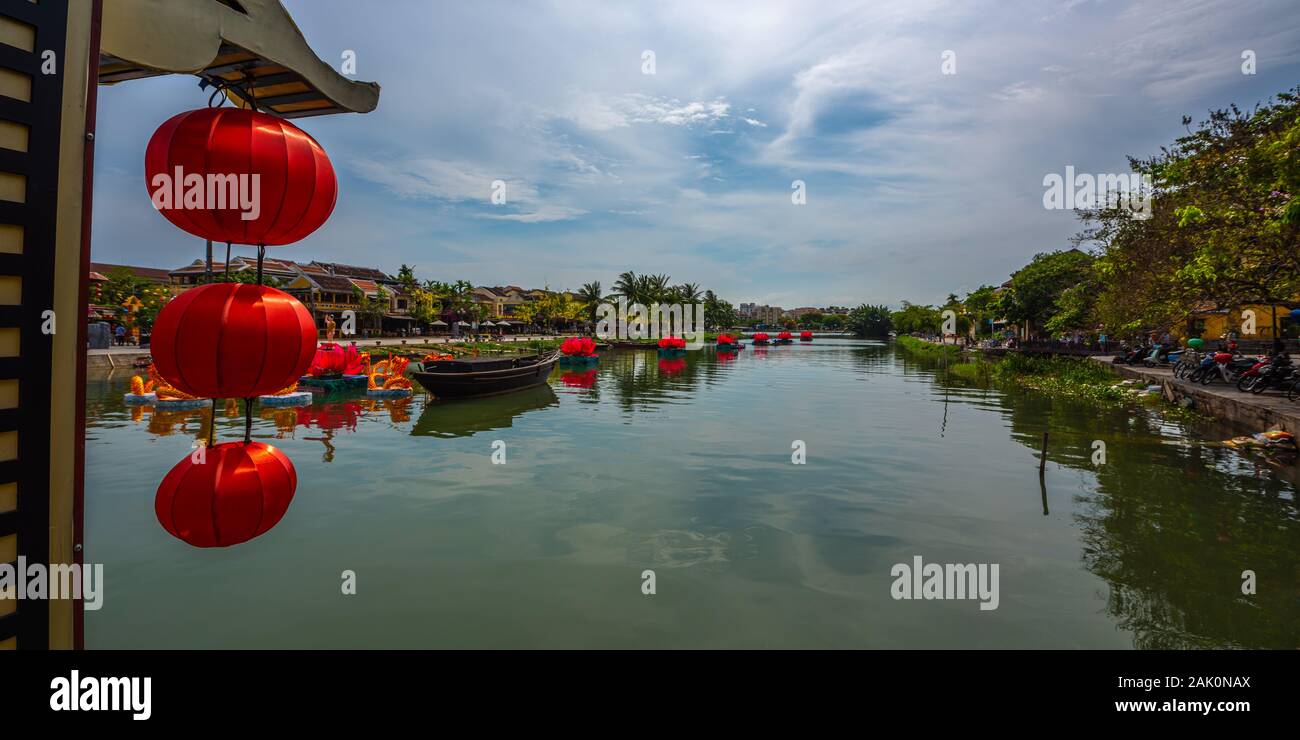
{"type": "Point", "coordinates": [685, 469]}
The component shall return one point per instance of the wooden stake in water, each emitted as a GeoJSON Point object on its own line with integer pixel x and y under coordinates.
{"type": "Point", "coordinates": [1042, 457]}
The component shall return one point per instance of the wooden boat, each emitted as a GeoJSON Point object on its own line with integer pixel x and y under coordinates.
{"type": "Point", "coordinates": [634, 345]}
{"type": "Point", "coordinates": [484, 376]}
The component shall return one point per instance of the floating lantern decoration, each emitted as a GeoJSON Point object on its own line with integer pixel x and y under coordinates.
{"type": "Point", "coordinates": [671, 346]}
{"type": "Point", "coordinates": [239, 176]}
{"type": "Point", "coordinates": [805, 336]}
{"type": "Point", "coordinates": [761, 338]}
{"type": "Point", "coordinates": [578, 351]}
{"type": "Point", "coordinates": [784, 338]}
{"type": "Point", "coordinates": [287, 396]}
{"type": "Point", "coordinates": [228, 340]}
{"type": "Point", "coordinates": [337, 361]}
{"type": "Point", "coordinates": [728, 343]}
{"type": "Point", "coordinates": [231, 494]}
{"type": "Point", "coordinates": [392, 378]}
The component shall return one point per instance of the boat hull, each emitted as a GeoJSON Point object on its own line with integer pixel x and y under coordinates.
{"type": "Point", "coordinates": [488, 383]}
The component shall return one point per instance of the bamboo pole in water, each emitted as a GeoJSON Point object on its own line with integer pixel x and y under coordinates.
{"type": "Point", "coordinates": [1042, 457]}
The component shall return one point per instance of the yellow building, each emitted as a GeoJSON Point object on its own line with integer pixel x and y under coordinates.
{"type": "Point", "coordinates": [1253, 321]}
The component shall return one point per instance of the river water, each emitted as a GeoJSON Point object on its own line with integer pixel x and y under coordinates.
{"type": "Point", "coordinates": [685, 469]}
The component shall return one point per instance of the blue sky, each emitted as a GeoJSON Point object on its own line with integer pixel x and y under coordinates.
{"type": "Point", "coordinates": [918, 183]}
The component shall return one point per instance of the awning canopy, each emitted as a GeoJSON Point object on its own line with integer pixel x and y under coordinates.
{"type": "Point", "coordinates": [439, 322]}
{"type": "Point", "coordinates": [250, 48]}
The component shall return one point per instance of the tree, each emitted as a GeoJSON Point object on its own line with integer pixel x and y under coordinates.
{"type": "Point", "coordinates": [834, 321]}
{"type": "Point", "coordinates": [406, 276]}
{"type": "Point", "coordinates": [915, 319]}
{"type": "Point", "coordinates": [137, 301]}
{"type": "Point", "coordinates": [372, 309]}
{"type": "Point", "coordinates": [718, 314]}
{"type": "Point", "coordinates": [1223, 229]}
{"type": "Point", "coordinates": [1034, 289]}
{"type": "Point", "coordinates": [869, 322]}
{"type": "Point", "coordinates": [980, 306]}
{"type": "Point", "coordinates": [590, 297]}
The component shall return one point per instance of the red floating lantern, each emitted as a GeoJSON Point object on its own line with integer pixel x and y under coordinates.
{"type": "Point", "coordinates": [228, 340]}
{"type": "Point", "coordinates": [336, 360]}
{"type": "Point", "coordinates": [239, 176]}
{"type": "Point", "coordinates": [671, 342]}
{"type": "Point", "coordinates": [578, 347]}
{"type": "Point", "coordinates": [233, 493]}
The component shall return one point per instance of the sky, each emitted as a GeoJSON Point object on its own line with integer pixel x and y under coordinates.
{"type": "Point", "coordinates": [917, 183]}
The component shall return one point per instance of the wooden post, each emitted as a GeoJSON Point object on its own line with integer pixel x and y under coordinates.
{"type": "Point", "coordinates": [1042, 457]}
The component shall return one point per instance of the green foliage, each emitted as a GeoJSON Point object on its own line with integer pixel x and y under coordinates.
{"type": "Point", "coordinates": [914, 319]}
{"type": "Point", "coordinates": [924, 348]}
{"type": "Point", "coordinates": [718, 314]}
{"type": "Point", "coordinates": [1036, 288]}
{"type": "Point", "coordinates": [869, 321]}
{"type": "Point", "coordinates": [136, 300]}
{"type": "Point", "coordinates": [1223, 229]}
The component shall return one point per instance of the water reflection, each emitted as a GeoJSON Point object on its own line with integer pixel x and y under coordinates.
{"type": "Point", "coordinates": [1172, 521]}
{"type": "Point", "coordinates": [634, 464]}
{"type": "Point", "coordinates": [466, 417]}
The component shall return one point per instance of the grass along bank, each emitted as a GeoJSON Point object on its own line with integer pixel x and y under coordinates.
{"type": "Point", "coordinates": [1059, 376]}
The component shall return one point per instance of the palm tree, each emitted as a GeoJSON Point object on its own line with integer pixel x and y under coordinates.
{"type": "Point", "coordinates": [690, 293]}
{"type": "Point", "coordinates": [627, 287]}
{"type": "Point", "coordinates": [591, 297]}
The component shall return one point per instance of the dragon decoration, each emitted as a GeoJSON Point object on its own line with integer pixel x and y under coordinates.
{"type": "Point", "coordinates": [389, 374]}
{"type": "Point", "coordinates": [157, 385]}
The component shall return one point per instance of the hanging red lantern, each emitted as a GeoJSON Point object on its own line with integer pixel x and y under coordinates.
{"type": "Point", "coordinates": [239, 176]}
{"type": "Point", "coordinates": [233, 493]}
{"type": "Point", "coordinates": [228, 340]}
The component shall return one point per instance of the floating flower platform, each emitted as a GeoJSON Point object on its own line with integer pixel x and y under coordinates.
{"type": "Point", "coordinates": [335, 383]}
{"type": "Point", "coordinates": [176, 404]}
{"type": "Point", "coordinates": [579, 360]}
{"type": "Point", "coordinates": [782, 341]}
{"type": "Point", "coordinates": [140, 399]}
{"type": "Point", "coordinates": [671, 352]}
{"type": "Point", "coordinates": [388, 392]}
{"type": "Point", "coordinates": [298, 398]}
{"type": "Point", "coordinates": [733, 347]}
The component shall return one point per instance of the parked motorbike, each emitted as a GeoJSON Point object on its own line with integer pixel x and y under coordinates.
{"type": "Point", "coordinates": [1227, 367]}
{"type": "Point", "coordinates": [1272, 372]}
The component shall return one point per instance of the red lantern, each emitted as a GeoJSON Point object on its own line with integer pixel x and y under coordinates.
{"type": "Point", "coordinates": [228, 340]}
{"type": "Point", "coordinates": [235, 492]}
{"type": "Point", "coordinates": [234, 175]}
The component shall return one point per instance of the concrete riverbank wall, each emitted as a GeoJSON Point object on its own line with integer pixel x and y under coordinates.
{"type": "Point", "coordinates": [1268, 410]}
